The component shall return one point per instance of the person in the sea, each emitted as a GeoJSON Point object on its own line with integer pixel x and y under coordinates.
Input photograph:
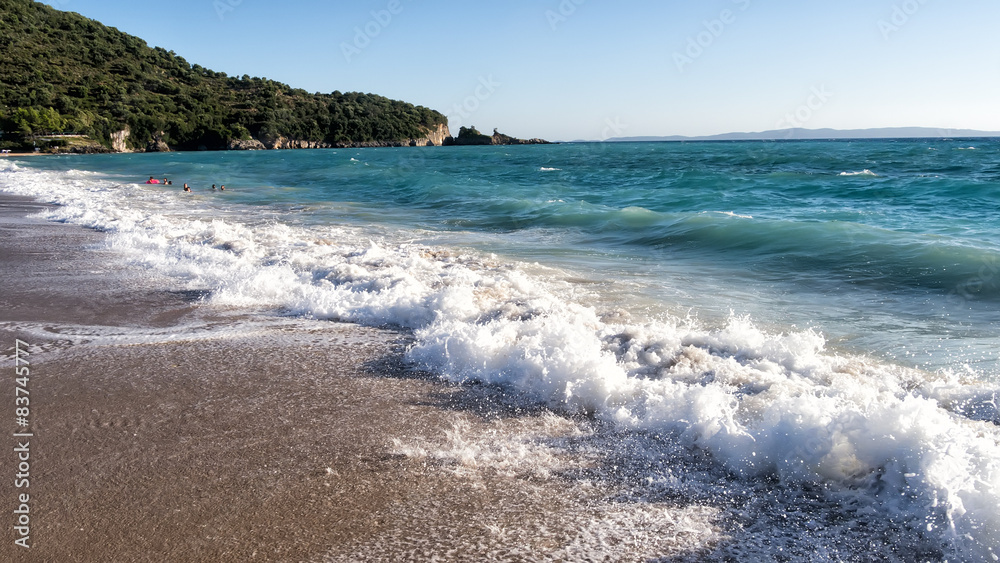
{"type": "Point", "coordinates": [152, 180]}
{"type": "Point", "coordinates": [222, 188]}
{"type": "Point", "coordinates": [213, 187]}
{"type": "Point", "coordinates": [187, 188]}
{"type": "Point", "coordinates": [167, 182]}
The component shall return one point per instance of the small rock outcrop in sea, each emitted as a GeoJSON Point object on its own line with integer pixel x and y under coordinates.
{"type": "Point", "coordinates": [157, 144]}
{"type": "Point", "coordinates": [471, 136]}
{"type": "Point", "coordinates": [245, 145]}
{"type": "Point", "coordinates": [435, 138]}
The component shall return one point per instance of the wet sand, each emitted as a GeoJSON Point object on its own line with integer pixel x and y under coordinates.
{"type": "Point", "coordinates": [194, 451]}
{"type": "Point", "coordinates": [239, 440]}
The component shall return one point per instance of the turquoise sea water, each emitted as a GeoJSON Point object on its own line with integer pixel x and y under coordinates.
{"type": "Point", "coordinates": [888, 247]}
{"type": "Point", "coordinates": [802, 311]}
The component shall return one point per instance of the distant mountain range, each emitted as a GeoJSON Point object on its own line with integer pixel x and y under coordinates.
{"type": "Point", "coordinates": [819, 134]}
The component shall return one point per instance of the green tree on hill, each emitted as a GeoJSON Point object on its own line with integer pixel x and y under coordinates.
{"type": "Point", "coordinates": [63, 72]}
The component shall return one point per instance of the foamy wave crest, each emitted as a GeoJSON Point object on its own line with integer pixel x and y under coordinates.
{"type": "Point", "coordinates": [864, 172]}
{"type": "Point", "coordinates": [733, 214]}
{"type": "Point", "coordinates": [762, 403]}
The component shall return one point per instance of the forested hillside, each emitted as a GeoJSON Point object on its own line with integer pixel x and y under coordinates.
{"type": "Point", "coordinates": [62, 72]}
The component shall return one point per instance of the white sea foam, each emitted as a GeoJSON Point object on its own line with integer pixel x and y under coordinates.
{"type": "Point", "coordinates": [734, 214]}
{"type": "Point", "coordinates": [545, 169]}
{"type": "Point", "coordinates": [761, 403]}
{"type": "Point", "coordinates": [864, 172]}
{"type": "Point", "coordinates": [508, 447]}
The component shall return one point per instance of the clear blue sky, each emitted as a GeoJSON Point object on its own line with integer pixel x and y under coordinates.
{"type": "Point", "coordinates": [590, 69]}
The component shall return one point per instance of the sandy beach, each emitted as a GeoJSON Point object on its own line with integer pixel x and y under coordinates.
{"type": "Point", "coordinates": [165, 431]}
{"type": "Point", "coordinates": [201, 450]}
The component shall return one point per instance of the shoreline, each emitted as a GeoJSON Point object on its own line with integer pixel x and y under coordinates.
{"type": "Point", "coordinates": [387, 145]}
{"type": "Point", "coordinates": [498, 139]}
{"type": "Point", "coordinates": [206, 451]}
{"type": "Point", "coordinates": [165, 430]}
{"type": "Point", "coordinates": [156, 434]}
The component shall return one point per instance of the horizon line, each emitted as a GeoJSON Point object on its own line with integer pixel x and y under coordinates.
{"type": "Point", "coordinates": [804, 134]}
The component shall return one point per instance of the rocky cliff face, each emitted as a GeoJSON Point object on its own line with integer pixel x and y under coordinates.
{"type": "Point", "coordinates": [248, 145]}
{"type": "Point", "coordinates": [437, 137]}
{"type": "Point", "coordinates": [118, 140]}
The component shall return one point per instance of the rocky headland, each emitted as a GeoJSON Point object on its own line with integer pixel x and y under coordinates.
{"type": "Point", "coordinates": [439, 136]}
{"type": "Point", "coordinates": [470, 136]}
